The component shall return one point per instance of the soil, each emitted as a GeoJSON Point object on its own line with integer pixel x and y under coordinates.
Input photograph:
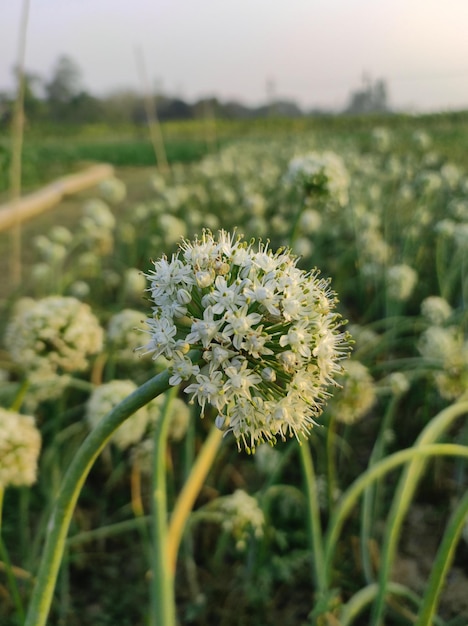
{"type": "Point", "coordinates": [422, 533]}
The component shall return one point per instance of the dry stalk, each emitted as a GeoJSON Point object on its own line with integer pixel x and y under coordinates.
{"type": "Point", "coordinates": [154, 126]}
{"type": "Point", "coordinates": [17, 133]}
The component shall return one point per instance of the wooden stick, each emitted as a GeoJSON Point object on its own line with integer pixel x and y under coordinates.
{"type": "Point", "coordinates": [17, 133]}
{"type": "Point", "coordinates": [154, 126]}
{"type": "Point", "coordinates": [22, 209]}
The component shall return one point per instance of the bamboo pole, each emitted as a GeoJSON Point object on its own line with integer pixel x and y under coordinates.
{"type": "Point", "coordinates": [17, 132]}
{"type": "Point", "coordinates": [210, 125]}
{"type": "Point", "coordinates": [154, 126]}
{"type": "Point", "coordinates": [22, 209]}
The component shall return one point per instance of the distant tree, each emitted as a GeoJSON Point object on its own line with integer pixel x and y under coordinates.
{"type": "Point", "coordinates": [211, 105]}
{"type": "Point", "coordinates": [372, 97]}
{"type": "Point", "coordinates": [63, 88]}
{"type": "Point", "coordinates": [33, 104]}
{"type": "Point", "coordinates": [119, 106]}
{"type": "Point", "coordinates": [173, 109]}
{"type": "Point", "coordinates": [139, 115]}
{"type": "Point", "coordinates": [279, 108]}
{"type": "Point", "coordinates": [85, 108]}
{"type": "Point", "coordinates": [236, 110]}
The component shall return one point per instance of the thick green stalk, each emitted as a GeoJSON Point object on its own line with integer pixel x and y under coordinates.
{"type": "Point", "coordinates": [404, 493]}
{"type": "Point", "coordinates": [162, 583]}
{"type": "Point", "coordinates": [108, 531]}
{"type": "Point", "coordinates": [442, 563]}
{"type": "Point", "coordinates": [376, 472]}
{"type": "Point", "coordinates": [440, 264]}
{"type": "Point", "coordinates": [370, 498]}
{"type": "Point", "coordinates": [331, 461]}
{"type": "Point", "coordinates": [19, 398]}
{"type": "Point", "coordinates": [360, 601]}
{"type": "Point", "coordinates": [4, 556]}
{"type": "Point", "coordinates": [295, 225]}
{"type": "Point", "coordinates": [313, 516]}
{"type": "Point", "coordinates": [71, 487]}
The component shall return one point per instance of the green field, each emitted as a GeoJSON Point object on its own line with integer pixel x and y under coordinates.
{"type": "Point", "coordinates": [53, 151]}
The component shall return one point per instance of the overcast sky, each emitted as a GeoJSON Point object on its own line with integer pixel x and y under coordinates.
{"type": "Point", "coordinates": [312, 51]}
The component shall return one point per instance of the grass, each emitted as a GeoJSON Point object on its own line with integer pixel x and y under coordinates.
{"type": "Point", "coordinates": [47, 159]}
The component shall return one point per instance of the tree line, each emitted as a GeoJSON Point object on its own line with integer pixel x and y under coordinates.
{"type": "Point", "coordinates": [63, 100]}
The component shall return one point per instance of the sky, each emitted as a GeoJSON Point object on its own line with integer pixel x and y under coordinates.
{"type": "Point", "coordinates": [315, 52]}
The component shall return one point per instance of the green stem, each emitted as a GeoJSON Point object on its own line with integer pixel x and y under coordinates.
{"type": "Point", "coordinates": [359, 602]}
{"type": "Point", "coordinates": [64, 587]}
{"type": "Point", "coordinates": [19, 398]}
{"type": "Point", "coordinates": [295, 225]}
{"type": "Point", "coordinates": [370, 498]}
{"type": "Point", "coordinates": [377, 471]}
{"type": "Point", "coordinates": [313, 516]}
{"type": "Point", "coordinates": [440, 262]}
{"type": "Point", "coordinates": [162, 584]}
{"type": "Point", "coordinates": [403, 495]}
{"type": "Point", "coordinates": [108, 531]}
{"type": "Point", "coordinates": [24, 534]}
{"type": "Point", "coordinates": [442, 563]}
{"type": "Point", "coordinates": [74, 479]}
{"type": "Point", "coordinates": [331, 468]}
{"type": "Point", "coordinates": [9, 570]}
{"type": "Point", "coordinates": [188, 456]}
{"type": "Point", "coordinates": [81, 385]}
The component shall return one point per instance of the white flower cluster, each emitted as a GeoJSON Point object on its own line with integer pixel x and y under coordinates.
{"type": "Point", "coordinates": [124, 333]}
{"type": "Point", "coordinates": [374, 251]}
{"type": "Point", "coordinates": [142, 452]}
{"type": "Point", "coordinates": [436, 310]}
{"type": "Point", "coordinates": [398, 382]}
{"type": "Point", "coordinates": [267, 330]}
{"type": "Point", "coordinates": [421, 139]}
{"type": "Point", "coordinates": [53, 336]}
{"type": "Point", "coordinates": [178, 418]}
{"type": "Point", "coordinates": [97, 215]}
{"type": "Point", "coordinates": [51, 251]}
{"type": "Point", "coordinates": [357, 394]}
{"type": "Point", "coordinates": [322, 173]}
{"type": "Point", "coordinates": [20, 444]}
{"type": "Point", "coordinates": [364, 338]}
{"type": "Point", "coordinates": [171, 228]}
{"type": "Point", "coordinates": [133, 283]}
{"type": "Point", "coordinates": [401, 281]}
{"type": "Point", "coordinates": [97, 226]}
{"type": "Point", "coordinates": [107, 396]}
{"type": "Point", "coordinates": [381, 138]}
{"type": "Point", "coordinates": [113, 190]}
{"type": "Point", "coordinates": [267, 459]}
{"type": "Point", "coordinates": [447, 349]}
{"type": "Point", "coordinates": [310, 221]}
{"type": "Point", "coordinates": [242, 516]}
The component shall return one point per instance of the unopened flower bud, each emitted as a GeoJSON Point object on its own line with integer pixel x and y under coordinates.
{"type": "Point", "coordinates": [205, 278]}
{"type": "Point", "coordinates": [221, 268]}
{"type": "Point", "coordinates": [220, 422]}
{"type": "Point", "coordinates": [183, 296]}
{"type": "Point", "coordinates": [268, 374]}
